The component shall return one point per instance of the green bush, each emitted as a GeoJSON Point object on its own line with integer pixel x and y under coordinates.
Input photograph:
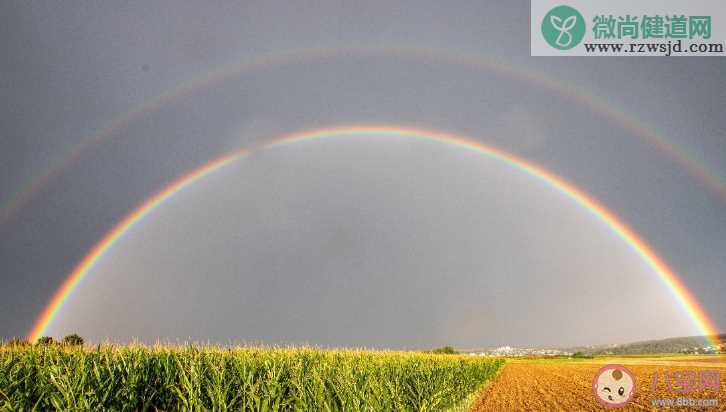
{"type": "Point", "coordinates": [73, 340]}
{"type": "Point", "coordinates": [447, 350]}
{"type": "Point", "coordinates": [45, 340]}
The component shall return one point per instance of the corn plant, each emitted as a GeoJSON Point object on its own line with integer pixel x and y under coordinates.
{"type": "Point", "coordinates": [170, 378]}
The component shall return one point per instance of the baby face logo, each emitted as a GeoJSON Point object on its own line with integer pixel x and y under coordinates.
{"type": "Point", "coordinates": [613, 386]}
{"type": "Point", "coordinates": [563, 27]}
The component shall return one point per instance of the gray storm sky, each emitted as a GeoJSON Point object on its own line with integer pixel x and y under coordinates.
{"type": "Point", "coordinates": [372, 241]}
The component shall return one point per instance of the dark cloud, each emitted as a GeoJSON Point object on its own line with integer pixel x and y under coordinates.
{"type": "Point", "coordinates": [348, 243]}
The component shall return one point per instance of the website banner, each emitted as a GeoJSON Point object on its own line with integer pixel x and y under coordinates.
{"type": "Point", "coordinates": [628, 28]}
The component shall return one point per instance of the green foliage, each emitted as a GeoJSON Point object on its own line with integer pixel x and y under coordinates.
{"type": "Point", "coordinates": [73, 340]}
{"type": "Point", "coordinates": [581, 355]}
{"type": "Point", "coordinates": [686, 344]}
{"type": "Point", "coordinates": [45, 341]}
{"type": "Point", "coordinates": [446, 350]}
{"type": "Point", "coordinates": [136, 378]}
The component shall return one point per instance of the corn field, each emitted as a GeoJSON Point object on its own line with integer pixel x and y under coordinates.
{"type": "Point", "coordinates": [140, 378]}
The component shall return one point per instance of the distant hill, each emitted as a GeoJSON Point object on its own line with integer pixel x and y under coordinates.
{"type": "Point", "coordinates": [687, 344]}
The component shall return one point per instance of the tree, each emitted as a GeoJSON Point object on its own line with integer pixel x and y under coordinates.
{"type": "Point", "coordinates": [73, 340]}
{"type": "Point", "coordinates": [448, 350]}
{"type": "Point", "coordinates": [45, 340]}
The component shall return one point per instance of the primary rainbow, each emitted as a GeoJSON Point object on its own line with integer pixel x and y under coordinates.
{"type": "Point", "coordinates": [674, 284]}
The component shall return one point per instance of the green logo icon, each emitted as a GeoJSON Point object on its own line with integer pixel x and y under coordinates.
{"type": "Point", "coordinates": [563, 27]}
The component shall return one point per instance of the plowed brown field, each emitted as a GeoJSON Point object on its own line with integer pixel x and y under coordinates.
{"type": "Point", "coordinates": [544, 385]}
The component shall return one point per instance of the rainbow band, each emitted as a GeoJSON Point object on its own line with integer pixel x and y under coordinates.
{"type": "Point", "coordinates": [679, 291]}
{"type": "Point", "coordinates": [696, 167]}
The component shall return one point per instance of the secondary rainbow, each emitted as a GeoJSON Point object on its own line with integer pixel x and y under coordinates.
{"type": "Point", "coordinates": [668, 277]}
{"type": "Point", "coordinates": [708, 176]}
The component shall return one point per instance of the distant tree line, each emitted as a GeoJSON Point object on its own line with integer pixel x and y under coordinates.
{"type": "Point", "coordinates": [73, 339]}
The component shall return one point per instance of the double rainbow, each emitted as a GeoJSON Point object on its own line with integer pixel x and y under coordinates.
{"type": "Point", "coordinates": [673, 283]}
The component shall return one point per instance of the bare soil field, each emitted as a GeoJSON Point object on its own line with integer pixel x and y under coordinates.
{"type": "Point", "coordinates": [546, 385]}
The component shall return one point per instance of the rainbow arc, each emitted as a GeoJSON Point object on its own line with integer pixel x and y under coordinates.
{"type": "Point", "coordinates": [667, 276]}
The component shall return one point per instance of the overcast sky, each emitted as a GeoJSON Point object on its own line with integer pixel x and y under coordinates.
{"type": "Point", "coordinates": [365, 241]}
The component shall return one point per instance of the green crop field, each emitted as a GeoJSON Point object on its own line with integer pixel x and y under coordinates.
{"type": "Point", "coordinates": [138, 378]}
